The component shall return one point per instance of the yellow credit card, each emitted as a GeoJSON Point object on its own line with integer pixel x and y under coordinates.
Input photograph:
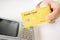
{"type": "Point", "coordinates": [34, 17]}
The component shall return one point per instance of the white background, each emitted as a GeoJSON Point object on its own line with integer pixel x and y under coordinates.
{"type": "Point", "coordinates": [11, 10]}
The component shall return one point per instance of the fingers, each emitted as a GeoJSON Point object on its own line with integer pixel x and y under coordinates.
{"type": "Point", "coordinates": [38, 5]}
{"type": "Point", "coordinates": [41, 4]}
{"type": "Point", "coordinates": [55, 13]}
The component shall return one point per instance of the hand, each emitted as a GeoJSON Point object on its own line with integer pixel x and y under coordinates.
{"type": "Point", "coordinates": [55, 9]}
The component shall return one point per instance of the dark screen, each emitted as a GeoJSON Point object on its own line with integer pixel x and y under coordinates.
{"type": "Point", "coordinates": [8, 27]}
